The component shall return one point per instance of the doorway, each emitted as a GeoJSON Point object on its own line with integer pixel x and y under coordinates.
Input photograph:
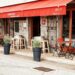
{"type": "Point", "coordinates": [36, 26]}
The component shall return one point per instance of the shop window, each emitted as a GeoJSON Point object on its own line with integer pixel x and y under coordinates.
{"type": "Point", "coordinates": [11, 23]}
{"type": "Point", "coordinates": [66, 25]}
{"type": "Point", "coordinates": [16, 26]}
{"type": "Point", "coordinates": [73, 24]}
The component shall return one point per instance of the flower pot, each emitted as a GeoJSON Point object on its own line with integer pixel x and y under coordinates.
{"type": "Point", "coordinates": [6, 48]}
{"type": "Point", "coordinates": [37, 54]}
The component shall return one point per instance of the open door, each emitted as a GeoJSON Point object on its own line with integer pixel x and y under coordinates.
{"type": "Point", "coordinates": [34, 27]}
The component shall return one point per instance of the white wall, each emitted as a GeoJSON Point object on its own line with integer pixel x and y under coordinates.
{"type": "Point", "coordinates": [43, 22]}
{"type": "Point", "coordinates": [23, 28]}
{"type": "Point", "coordinates": [11, 2]}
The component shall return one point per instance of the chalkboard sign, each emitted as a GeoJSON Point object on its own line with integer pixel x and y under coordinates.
{"type": "Point", "coordinates": [16, 26]}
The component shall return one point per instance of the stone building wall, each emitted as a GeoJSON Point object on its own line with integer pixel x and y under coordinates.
{"type": "Point", "coordinates": [23, 28]}
{"type": "Point", "coordinates": [43, 26]}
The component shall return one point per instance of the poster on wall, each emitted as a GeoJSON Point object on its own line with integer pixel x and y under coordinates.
{"type": "Point", "coordinates": [44, 31]}
{"type": "Point", "coordinates": [24, 25]}
{"type": "Point", "coordinates": [53, 37]}
{"type": "Point", "coordinates": [43, 21]}
{"type": "Point", "coordinates": [53, 30]}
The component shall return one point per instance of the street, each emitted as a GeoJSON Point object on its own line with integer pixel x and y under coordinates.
{"type": "Point", "coordinates": [19, 65]}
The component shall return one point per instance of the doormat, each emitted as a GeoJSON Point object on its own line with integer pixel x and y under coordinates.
{"type": "Point", "coordinates": [43, 69]}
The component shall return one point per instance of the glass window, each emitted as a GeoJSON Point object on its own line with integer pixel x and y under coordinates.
{"type": "Point", "coordinates": [16, 26]}
{"type": "Point", "coordinates": [66, 25]}
{"type": "Point", "coordinates": [73, 24]}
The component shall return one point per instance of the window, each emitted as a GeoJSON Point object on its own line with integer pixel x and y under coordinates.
{"type": "Point", "coordinates": [73, 24]}
{"type": "Point", "coordinates": [66, 25]}
{"type": "Point", "coordinates": [16, 26]}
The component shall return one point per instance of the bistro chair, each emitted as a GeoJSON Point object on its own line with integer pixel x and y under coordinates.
{"type": "Point", "coordinates": [60, 43]}
{"type": "Point", "coordinates": [44, 43]}
{"type": "Point", "coordinates": [18, 43]}
{"type": "Point", "coordinates": [62, 49]}
{"type": "Point", "coordinates": [65, 50]}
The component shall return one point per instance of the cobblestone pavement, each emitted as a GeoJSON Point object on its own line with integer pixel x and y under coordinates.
{"type": "Point", "coordinates": [17, 65]}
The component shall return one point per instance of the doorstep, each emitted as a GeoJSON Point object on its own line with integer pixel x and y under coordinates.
{"type": "Point", "coordinates": [47, 57]}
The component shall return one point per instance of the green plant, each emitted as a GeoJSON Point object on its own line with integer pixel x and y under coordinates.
{"type": "Point", "coordinates": [6, 39]}
{"type": "Point", "coordinates": [36, 43]}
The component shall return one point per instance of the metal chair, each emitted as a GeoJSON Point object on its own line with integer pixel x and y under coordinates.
{"type": "Point", "coordinates": [63, 49]}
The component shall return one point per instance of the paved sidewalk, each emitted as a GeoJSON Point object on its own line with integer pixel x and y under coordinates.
{"type": "Point", "coordinates": [48, 57]}
{"type": "Point", "coordinates": [45, 56]}
{"type": "Point", "coordinates": [16, 65]}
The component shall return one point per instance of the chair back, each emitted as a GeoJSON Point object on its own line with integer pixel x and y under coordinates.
{"type": "Point", "coordinates": [60, 40]}
{"type": "Point", "coordinates": [60, 43]}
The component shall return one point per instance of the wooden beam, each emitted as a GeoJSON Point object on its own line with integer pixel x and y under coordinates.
{"type": "Point", "coordinates": [5, 28]}
{"type": "Point", "coordinates": [70, 26]}
{"type": "Point", "coordinates": [8, 26]}
{"type": "Point", "coordinates": [61, 26]}
{"type": "Point", "coordinates": [30, 30]}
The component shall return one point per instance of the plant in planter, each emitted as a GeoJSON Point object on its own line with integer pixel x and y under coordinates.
{"type": "Point", "coordinates": [36, 44]}
{"type": "Point", "coordinates": [6, 44]}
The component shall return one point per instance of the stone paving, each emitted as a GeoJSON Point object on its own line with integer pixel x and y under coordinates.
{"type": "Point", "coordinates": [16, 65]}
{"type": "Point", "coordinates": [47, 57]}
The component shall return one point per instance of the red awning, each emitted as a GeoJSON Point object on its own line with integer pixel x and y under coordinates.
{"type": "Point", "coordinates": [37, 8]}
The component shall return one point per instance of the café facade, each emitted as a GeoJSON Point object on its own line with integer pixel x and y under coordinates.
{"type": "Point", "coordinates": [47, 18]}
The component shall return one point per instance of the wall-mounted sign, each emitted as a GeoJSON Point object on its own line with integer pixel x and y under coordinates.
{"type": "Point", "coordinates": [44, 21]}
{"type": "Point", "coordinates": [24, 24]}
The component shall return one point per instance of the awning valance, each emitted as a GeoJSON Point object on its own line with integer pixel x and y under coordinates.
{"type": "Point", "coordinates": [37, 8]}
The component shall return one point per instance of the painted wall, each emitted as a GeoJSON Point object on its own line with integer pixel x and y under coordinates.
{"type": "Point", "coordinates": [43, 23]}
{"type": "Point", "coordinates": [12, 2]}
{"type": "Point", "coordinates": [23, 28]}
{"type": "Point", "coordinates": [54, 31]}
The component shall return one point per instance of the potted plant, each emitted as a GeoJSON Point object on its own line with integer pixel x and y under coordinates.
{"type": "Point", "coordinates": [6, 44]}
{"type": "Point", "coordinates": [36, 44]}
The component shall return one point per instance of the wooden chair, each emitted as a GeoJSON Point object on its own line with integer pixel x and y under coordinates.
{"type": "Point", "coordinates": [18, 44]}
